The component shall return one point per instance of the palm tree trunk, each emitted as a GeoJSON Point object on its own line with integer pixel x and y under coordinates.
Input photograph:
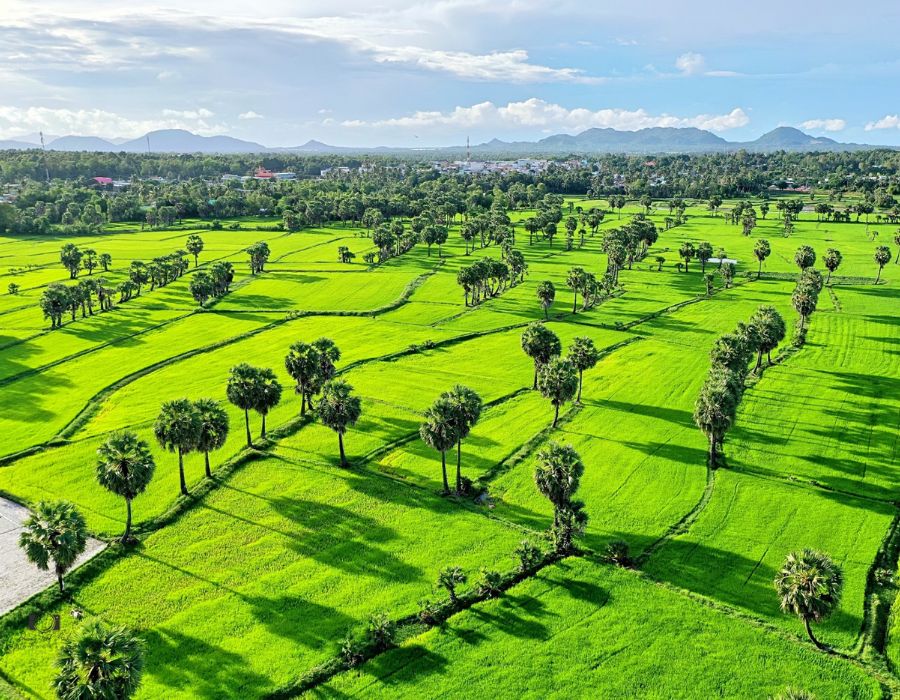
{"type": "Point", "coordinates": [458, 469]}
{"type": "Point", "coordinates": [302, 402]}
{"type": "Point", "coordinates": [263, 434]}
{"type": "Point", "coordinates": [59, 579]}
{"type": "Point", "coordinates": [759, 270]}
{"type": "Point", "coordinates": [811, 635]}
{"type": "Point", "coordinates": [828, 279]}
{"type": "Point", "coordinates": [575, 304]}
{"type": "Point", "coordinates": [341, 446]}
{"type": "Point", "coordinates": [247, 427]}
{"type": "Point", "coordinates": [555, 414]}
{"type": "Point", "coordinates": [127, 535]}
{"type": "Point", "coordinates": [444, 472]}
{"type": "Point", "coordinates": [206, 461]}
{"type": "Point", "coordinates": [580, 380]}
{"type": "Point", "coordinates": [181, 472]}
{"type": "Point", "coordinates": [534, 386]}
{"type": "Point", "coordinates": [878, 277]}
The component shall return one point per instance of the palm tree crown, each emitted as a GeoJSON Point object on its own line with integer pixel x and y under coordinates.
{"type": "Point", "coordinates": [99, 662]}
{"type": "Point", "coordinates": [55, 532]}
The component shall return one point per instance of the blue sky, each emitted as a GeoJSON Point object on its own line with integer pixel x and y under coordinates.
{"type": "Point", "coordinates": [417, 74]}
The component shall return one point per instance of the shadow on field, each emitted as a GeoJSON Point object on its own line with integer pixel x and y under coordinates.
{"type": "Point", "coordinates": [737, 581]}
{"type": "Point", "coordinates": [190, 665]}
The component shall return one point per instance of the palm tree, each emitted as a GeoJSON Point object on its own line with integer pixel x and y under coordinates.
{"type": "Point", "coordinates": [466, 406]}
{"type": "Point", "coordinates": [832, 261]}
{"type": "Point", "coordinates": [99, 662]}
{"type": "Point", "coordinates": [541, 345]}
{"type": "Point", "coordinates": [558, 382]}
{"type": "Point", "coordinates": [771, 330]}
{"type": "Point", "coordinates": [809, 585]}
{"type": "Point", "coordinates": [575, 281]}
{"type": "Point", "coordinates": [584, 355]}
{"type": "Point", "coordinates": [55, 532]}
{"type": "Point", "coordinates": [241, 392]}
{"type": "Point", "coordinates": [438, 431]}
{"type": "Point", "coordinates": [882, 258]}
{"type": "Point", "coordinates": [686, 252]}
{"type": "Point", "coordinates": [557, 476]}
{"type": "Point", "coordinates": [303, 363]}
{"type": "Point", "coordinates": [177, 428]}
{"type": "Point", "coordinates": [546, 293]}
{"type": "Point", "coordinates": [329, 355]}
{"type": "Point", "coordinates": [805, 257]}
{"type": "Point", "coordinates": [213, 428]}
{"type": "Point", "coordinates": [125, 468]}
{"type": "Point", "coordinates": [338, 409]}
{"type": "Point", "coordinates": [761, 250]}
{"type": "Point", "coordinates": [268, 394]}
{"type": "Point", "coordinates": [194, 246]}
{"type": "Point", "coordinates": [716, 408]}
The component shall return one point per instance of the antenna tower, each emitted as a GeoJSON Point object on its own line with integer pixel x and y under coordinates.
{"type": "Point", "coordinates": [44, 157]}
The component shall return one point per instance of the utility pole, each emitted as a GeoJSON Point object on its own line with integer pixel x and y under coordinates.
{"type": "Point", "coordinates": [44, 156]}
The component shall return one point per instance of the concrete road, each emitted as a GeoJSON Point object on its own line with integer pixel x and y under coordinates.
{"type": "Point", "coordinates": [19, 578]}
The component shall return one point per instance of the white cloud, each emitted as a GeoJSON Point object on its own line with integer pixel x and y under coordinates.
{"type": "Point", "coordinates": [824, 124]}
{"type": "Point", "coordinates": [250, 115]}
{"type": "Point", "coordinates": [15, 121]}
{"type": "Point", "coordinates": [691, 63]}
{"type": "Point", "coordinates": [201, 113]}
{"type": "Point", "coordinates": [537, 113]}
{"type": "Point", "coordinates": [891, 121]}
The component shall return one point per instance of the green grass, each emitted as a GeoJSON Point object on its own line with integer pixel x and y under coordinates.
{"type": "Point", "coordinates": [583, 630]}
{"type": "Point", "coordinates": [255, 582]}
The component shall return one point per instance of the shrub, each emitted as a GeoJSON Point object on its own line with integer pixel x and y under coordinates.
{"type": "Point", "coordinates": [490, 583]}
{"type": "Point", "coordinates": [381, 631]}
{"type": "Point", "coordinates": [529, 556]}
{"type": "Point", "coordinates": [351, 652]}
{"type": "Point", "coordinates": [618, 553]}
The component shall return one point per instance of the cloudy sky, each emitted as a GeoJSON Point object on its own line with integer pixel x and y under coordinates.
{"type": "Point", "coordinates": [363, 72]}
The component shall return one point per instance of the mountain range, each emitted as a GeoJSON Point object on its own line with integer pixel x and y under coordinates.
{"type": "Point", "coordinates": [596, 140]}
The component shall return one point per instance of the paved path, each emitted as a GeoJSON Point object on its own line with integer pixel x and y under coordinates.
{"type": "Point", "coordinates": [19, 578]}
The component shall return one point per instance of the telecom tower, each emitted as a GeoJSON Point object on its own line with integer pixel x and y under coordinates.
{"type": "Point", "coordinates": [44, 157]}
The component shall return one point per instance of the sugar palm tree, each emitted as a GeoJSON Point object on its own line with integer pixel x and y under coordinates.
{"type": "Point", "coordinates": [583, 355]}
{"type": "Point", "coordinates": [304, 365]}
{"type": "Point", "coordinates": [125, 468]}
{"type": "Point", "coordinates": [882, 258]}
{"type": "Point", "coordinates": [770, 329]}
{"type": "Point", "coordinates": [541, 345]}
{"type": "Point", "coordinates": [832, 260]}
{"type": "Point", "coordinates": [557, 476]}
{"type": "Point", "coordinates": [54, 532]}
{"type": "Point", "coordinates": [716, 408]}
{"type": "Point", "coordinates": [809, 585]}
{"type": "Point", "coordinates": [575, 282]}
{"type": "Point", "coordinates": [546, 293]}
{"type": "Point", "coordinates": [268, 394]}
{"type": "Point", "coordinates": [339, 409]}
{"type": "Point", "coordinates": [213, 428]}
{"type": "Point", "coordinates": [761, 250]}
{"type": "Point", "coordinates": [177, 429]}
{"type": "Point", "coordinates": [438, 431]}
{"type": "Point", "coordinates": [466, 411]}
{"type": "Point", "coordinates": [241, 392]}
{"type": "Point", "coordinates": [558, 381]}
{"type": "Point", "coordinates": [99, 662]}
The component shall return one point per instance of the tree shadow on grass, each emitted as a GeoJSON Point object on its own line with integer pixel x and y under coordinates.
{"type": "Point", "coordinates": [740, 582]}
{"type": "Point", "coordinates": [189, 665]}
{"type": "Point", "coordinates": [398, 667]}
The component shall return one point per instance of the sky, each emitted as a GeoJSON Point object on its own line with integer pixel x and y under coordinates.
{"type": "Point", "coordinates": [366, 73]}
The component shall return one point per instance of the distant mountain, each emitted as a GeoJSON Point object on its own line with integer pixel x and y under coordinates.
{"type": "Point", "coordinates": [13, 145]}
{"type": "Point", "coordinates": [181, 141]}
{"type": "Point", "coordinates": [787, 138]}
{"type": "Point", "coordinates": [591, 141]}
{"type": "Point", "coordinates": [81, 143]}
